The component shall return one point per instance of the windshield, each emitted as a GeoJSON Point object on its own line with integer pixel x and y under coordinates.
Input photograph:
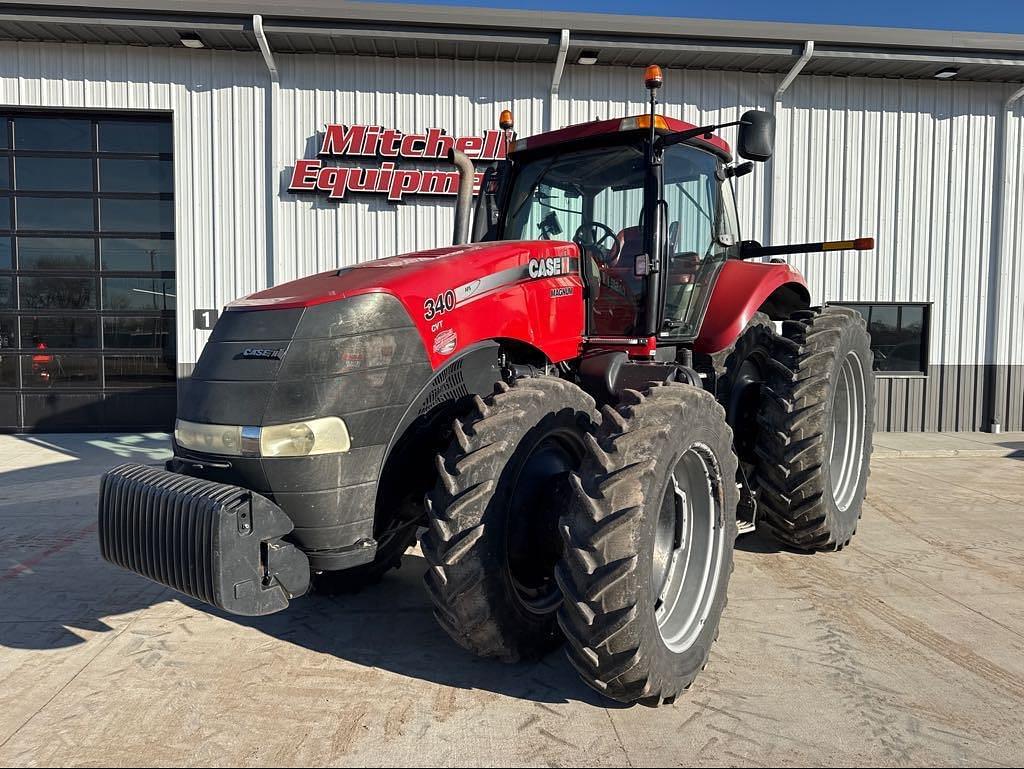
{"type": "Point", "coordinates": [595, 197]}
{"type": "Point", "coordinates": [551, 197]}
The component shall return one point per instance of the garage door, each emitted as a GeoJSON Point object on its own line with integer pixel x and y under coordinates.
{"type": "Point", "coordinates": [87, 295]}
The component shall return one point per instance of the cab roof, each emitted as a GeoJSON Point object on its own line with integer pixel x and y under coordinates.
{"type": "Point", "coordinates": [595, 128]}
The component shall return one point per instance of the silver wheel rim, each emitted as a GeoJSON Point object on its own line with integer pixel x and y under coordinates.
{"type": "Point", "coordinates": [846, 446]}
{"type": "Point", "coordinates": [688, 550]}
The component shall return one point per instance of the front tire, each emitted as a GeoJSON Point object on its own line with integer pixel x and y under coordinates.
{"type": "Point", "coordinates": [817, 424]}
{"type": "Point", "coordinates": [649, 539]}
{"type": "Point", "coordinates": [493, 541]}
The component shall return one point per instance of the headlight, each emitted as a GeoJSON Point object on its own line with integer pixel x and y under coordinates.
{"type": "Point", "coordinates": [328, 435]}
{"type": "Point", "coordinates": [210, 439]}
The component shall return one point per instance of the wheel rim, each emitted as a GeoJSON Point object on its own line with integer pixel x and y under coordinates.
{"type": "Point", "coordinates": [533, 546]}
{"type": "Point", "coordinates": [689, 545]}
{"type": "Point", "coordinates": [846, 451]}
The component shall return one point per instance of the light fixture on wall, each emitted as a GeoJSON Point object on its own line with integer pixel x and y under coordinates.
{"type": "Point", "coordinates": [587, 57]}
{"type": "Point", "coordinates": [191, 40]}
{"type": "Point", "coordinates": [946, 73]}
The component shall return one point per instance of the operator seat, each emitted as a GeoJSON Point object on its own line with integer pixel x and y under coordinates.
{"type": "Point", "coordinates": [630, 243]}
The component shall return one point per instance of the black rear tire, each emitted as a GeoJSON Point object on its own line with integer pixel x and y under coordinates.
{"type": "Point", "coordinates": [493, 541]}
{"type": "Point", "coordinates": [637, 630]}
{"type": "Point", "coordinates": [817, 423]}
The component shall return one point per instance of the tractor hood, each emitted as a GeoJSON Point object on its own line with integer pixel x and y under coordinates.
{"type": "Point", "coordinates": [529, 291]}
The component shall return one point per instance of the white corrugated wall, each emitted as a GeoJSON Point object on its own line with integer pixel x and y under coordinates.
{"type": "Point", "coordinates": [910, 162]}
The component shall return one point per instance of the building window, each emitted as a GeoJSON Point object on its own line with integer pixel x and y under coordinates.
{"type": "Point", "coordinates": [87, 281]}
{"type": "Point", "coordinates": [899, 335]}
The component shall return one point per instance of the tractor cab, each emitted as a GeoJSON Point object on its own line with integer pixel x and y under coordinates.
{"type": "Point", "coordinates": [649, 202]}
{"type": "Point", "coordinates": [593, 193]}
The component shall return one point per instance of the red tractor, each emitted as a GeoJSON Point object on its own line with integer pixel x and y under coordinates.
{"type": "Point", "coordinates": [580, 425]}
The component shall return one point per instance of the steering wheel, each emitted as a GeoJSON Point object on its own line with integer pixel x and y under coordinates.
{"type": "Point", "coordinates": [593, 235]}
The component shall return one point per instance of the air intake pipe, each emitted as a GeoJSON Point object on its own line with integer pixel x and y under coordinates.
{"type": "Point", "coordinates": [464, 201]}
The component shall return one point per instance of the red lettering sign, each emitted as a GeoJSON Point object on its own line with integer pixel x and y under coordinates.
{"type": "Point", "coordinates": [318, 175]}
{"type": "Point", "coordinates": [377, 141]}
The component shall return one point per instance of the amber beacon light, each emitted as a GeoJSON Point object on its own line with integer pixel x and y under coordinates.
{"type": "Point", "coordinates": [653, 77]}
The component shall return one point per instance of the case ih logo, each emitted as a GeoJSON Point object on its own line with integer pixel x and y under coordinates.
{"type": "Point", "coordinates": [319, 175]}
{"type": "Point", "coordinates": [256, 353]}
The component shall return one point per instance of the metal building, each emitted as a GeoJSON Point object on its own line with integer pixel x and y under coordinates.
{"type": "Point", "coordinates": [146, 158]}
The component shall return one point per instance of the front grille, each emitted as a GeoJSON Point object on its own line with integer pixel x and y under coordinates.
{"type": "Point", "coordinates": [215, 542]}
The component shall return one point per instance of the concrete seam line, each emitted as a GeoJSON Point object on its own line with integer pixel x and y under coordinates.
{"type": "Point", "coordinates": [88, 662]}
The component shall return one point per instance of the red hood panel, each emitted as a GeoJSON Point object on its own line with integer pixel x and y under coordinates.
{"type": "Point", "coordinates": [445, 268]}
{"type": "Point", "coordinates": [530, 291]}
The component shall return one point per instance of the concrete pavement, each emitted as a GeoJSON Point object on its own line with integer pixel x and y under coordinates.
{"type": "Point", "coordinates": [906, 648]}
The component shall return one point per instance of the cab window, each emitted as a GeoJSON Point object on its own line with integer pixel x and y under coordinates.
{"type": "Point", "coordinates": [700, 217]}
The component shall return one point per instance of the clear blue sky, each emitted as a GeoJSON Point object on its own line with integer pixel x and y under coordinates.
{"type": "Point", "coordinates": [967, 15]}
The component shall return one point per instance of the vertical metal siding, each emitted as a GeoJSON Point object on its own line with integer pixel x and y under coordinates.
{"type": "Point", "coordinates": [910, 162]}
{"type": "Point", "coordinates": [1009, 332]}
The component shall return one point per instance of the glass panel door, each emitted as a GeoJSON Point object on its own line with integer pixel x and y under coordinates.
{"type": "Point", "coordinates": [87, 268]}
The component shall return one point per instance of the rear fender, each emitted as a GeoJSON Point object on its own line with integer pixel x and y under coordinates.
{"type": "Point", "coordinates": [744, 288]}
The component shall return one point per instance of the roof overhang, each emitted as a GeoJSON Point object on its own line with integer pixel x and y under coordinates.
{"type": "Point", "coordinates": [391, 30]}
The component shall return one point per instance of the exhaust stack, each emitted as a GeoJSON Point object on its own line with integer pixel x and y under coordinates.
{"type": "Point", "coordinates": [464, 201]}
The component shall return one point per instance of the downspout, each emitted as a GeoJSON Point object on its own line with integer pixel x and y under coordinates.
{"type": "Point", "coordinates": [261, 38]}
{"type": "Point", "coordinates": [797, 68]}
{"type": "Point", "coordinates": [556, 79]}
{"type": "Point", "coordinates": [999, 288]}
{"type": "Point", "coordinates": [768, 212]}
{"type": "Point", "coordinates": [270, 164]}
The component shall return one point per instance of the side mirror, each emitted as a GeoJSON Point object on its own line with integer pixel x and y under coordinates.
{"type": "Point", "coordinates": [735, 172]}
{"type": "Point", "coordinates": [642, 265]}
{"type": "Point", "coordinates": [757, 135]}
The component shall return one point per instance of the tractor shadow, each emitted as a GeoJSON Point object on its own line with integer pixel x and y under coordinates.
{"type": "Point", "coordinates": [762, 543]}
{"type": "Point", "coordinates": [390, 627]}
